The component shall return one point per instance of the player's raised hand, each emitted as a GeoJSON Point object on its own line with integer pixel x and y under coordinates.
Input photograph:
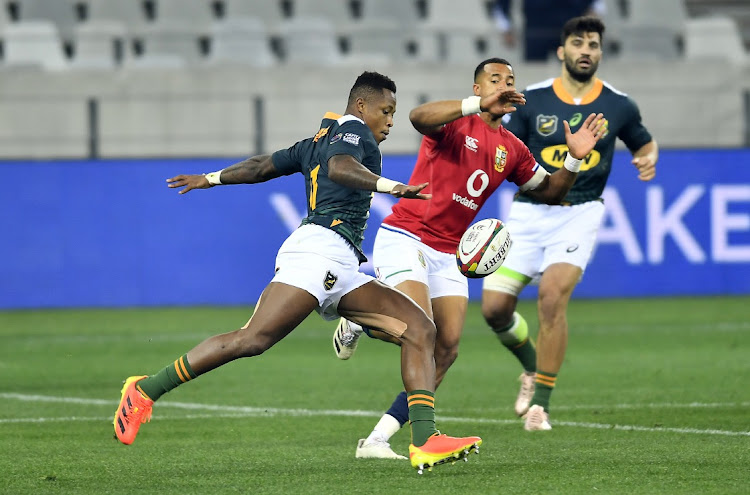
{"type": "Point", "coordinates": [502, 102]}
{"type": "Point", "coordinates": [410, 192]}
{"type": "Point", "coordinates": [584, 139]}
{"type": "Point", "coordinates": [189, 182]}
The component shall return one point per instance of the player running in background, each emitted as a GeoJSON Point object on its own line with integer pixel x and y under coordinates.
{"type": "Point", "coordinates": [465, 155]}
{"type": "Point", "coordinates": [553, 244]}
{"type": "Point", "coordinates": [317, 268]}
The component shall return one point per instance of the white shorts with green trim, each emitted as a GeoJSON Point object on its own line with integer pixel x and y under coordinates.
{"type": "Point", "coordinates": [399, 256]}
{"type": "Point", "coordinates": [542, 236]}
{"type": "Point", "coordinates": [321, 262]}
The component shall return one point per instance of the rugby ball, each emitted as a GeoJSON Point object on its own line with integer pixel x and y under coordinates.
{"type": "Point", "coordinates": [483, 248]}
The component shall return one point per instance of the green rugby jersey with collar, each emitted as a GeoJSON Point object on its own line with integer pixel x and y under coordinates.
{"type": "Point", "coordinates": [333, 206]}
{"type": "Point", "coordinates": [539, 124]}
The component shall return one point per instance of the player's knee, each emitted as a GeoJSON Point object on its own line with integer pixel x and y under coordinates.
{"type": "Point", "coordinates": [421, 333]}
{"type": "Point", "coordinates": [552, 304]}
{"type": "Point", "coordinates": [249, 345]}
{"type": "Point", "coordinates": [496, 313]}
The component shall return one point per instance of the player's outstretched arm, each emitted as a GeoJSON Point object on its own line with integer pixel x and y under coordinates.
{"type": "Point", "coordinates": [252, 170]}
{"type": "Point", "coordinates": [345, 170]}
{"type": "Point", "coordinates": [645, 159]}
{"type": "Point", "coordinates": [430, 117]}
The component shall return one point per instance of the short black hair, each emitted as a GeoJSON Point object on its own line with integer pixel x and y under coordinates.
{"type": "Point", "coordinates": [493, 60]}
{"type": "Point", "coordinates": [581, 25]}
{"type": "Point", "coordinates": [369, 84]}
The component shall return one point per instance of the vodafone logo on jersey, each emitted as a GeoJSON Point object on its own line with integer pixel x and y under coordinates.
{"type": "Point", "coordinates": [471, 143]}
{"type": "Point", "coordinates": [469, 203]}
{"type": "Point", "coordinates": [475, 186]}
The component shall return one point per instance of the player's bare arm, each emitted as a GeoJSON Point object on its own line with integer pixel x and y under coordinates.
{"type": "Point", "coordinates": [252, 170]}
{"type": "Point", "coordinates": [345, 170]}
{"type": "Point", "coordinates": [430, 117]}
{"type": "Point", "coordinates": [645, 159]}
{"type": "Point", "coordinates": [554, 187]}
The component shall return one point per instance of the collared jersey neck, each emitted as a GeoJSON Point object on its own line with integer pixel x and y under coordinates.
{"type": "Point", "coordinates": [562, 93]}
{"type": "Point", "coordinates": [346, 118]}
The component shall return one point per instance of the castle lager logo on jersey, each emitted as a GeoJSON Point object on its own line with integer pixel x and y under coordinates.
{"type": "Point", "coordinates": [555, 156]}
{"type": "Point", "coordinates": [351, 138]}
{"type": "Point", "coordinates": [501, 158]}
{"type": "Point", "coordinates": [546, 125]}
{"type": "Point", "coordinates": [469, 203]}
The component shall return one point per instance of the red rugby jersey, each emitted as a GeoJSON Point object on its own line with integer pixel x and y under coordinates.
{"type": "Point", "coordinates": [464, 164]}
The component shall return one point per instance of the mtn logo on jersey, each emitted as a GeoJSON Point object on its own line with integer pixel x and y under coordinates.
{"type": "Point", "coordinates": [501, 158]}
{"type": "Point", "coordinates": [469, 203]}
{"type": "Point", "coordinates": [546, 125]}
{"type": "Point", "coordinates": [471, 143]}
{"type": "Point", "coordinates": [555, 156]}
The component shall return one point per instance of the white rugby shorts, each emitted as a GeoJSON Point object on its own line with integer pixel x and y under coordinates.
{"type": "Point", "coordinates": [544, 235]}
{"type": "Point", "coordinates": [399, 256]}
{"type": "Point", "coordinates": [321, 262]}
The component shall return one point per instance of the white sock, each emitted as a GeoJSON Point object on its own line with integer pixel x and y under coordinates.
{"type": "Point", "coordinates": [354, 327]}
{"type": "Point", "coordinates": [384, 430]}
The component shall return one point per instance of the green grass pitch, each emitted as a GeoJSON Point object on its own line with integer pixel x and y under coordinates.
{"type": "Point", "coordinates": [653, 398]}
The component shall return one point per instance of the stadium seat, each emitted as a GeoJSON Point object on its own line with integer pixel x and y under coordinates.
{"type": "Point", "coordinates": [466, 14]}
{"type": "Point", "coordinates": [167, 39]}
{"type": "Point", "coordinates": [369, 40]}
{"type": "Point", "coordinates": [670, 14]}
{"type": "Point", "coordinates": [131, 13]}
{"type": "Point", "coordinates": [242, 41]}
{"type": "Point", "coordinates": [268, 10]}
{"type": "Point", "coordinates": [99, 45]}
{"type": "Point", "coordinates": [457, 29]}
{"type": "Point", "coordinates": [653, 29]}
{"type": "Point", "coordinates": [716, 38]}
{"type": "Point", "coordinates": [394, 12]}
{"type": "Point", "coordinates": [648, 42]}
{"type": "Point", "coordinates": [310, 41]}
{"type": "Point", "coordinates": [34, 43]}
{"type": "Point", "coordinates": [613, 18]}
{"type": "Point", "coordinates": [199, 13]}
{"type": "Point", "coordinates": [60, 12]}
{"type": "Point", "coordinates": [337, 11]}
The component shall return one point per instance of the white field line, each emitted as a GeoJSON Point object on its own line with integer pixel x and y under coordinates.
{"type": "Point", "coordinates": [654, 405]}
{"type": "Point", "coordinates": [244, 411]}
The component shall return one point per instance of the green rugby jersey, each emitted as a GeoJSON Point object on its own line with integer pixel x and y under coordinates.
{"type": "Point", "coordinates": [331, 205]}
{"type": "Point", "coordinates": [539, 124]}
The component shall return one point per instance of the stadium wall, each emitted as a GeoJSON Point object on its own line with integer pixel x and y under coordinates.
{"type": "Point", "coordinates": [110, 233]}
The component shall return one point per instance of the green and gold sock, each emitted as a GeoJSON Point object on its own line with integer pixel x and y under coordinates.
{"type": "Point", "coordinates": [545, 384]}
{"type": "Point", "coordinates": [515, 337]}
{"type": "Point", "coordinates": [421, 415]}
{"type": "Point", "coordinates": [167, 379]}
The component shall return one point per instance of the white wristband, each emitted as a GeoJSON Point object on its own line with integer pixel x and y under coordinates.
{"type": "Point", "coordinates": [214, 178]}
{"type": "Point", "coordinates": [572, 164]}
{"type": "Point", "coordinates": [384, 185]}
{"type": "Point", "coordinates": [470, 105]}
